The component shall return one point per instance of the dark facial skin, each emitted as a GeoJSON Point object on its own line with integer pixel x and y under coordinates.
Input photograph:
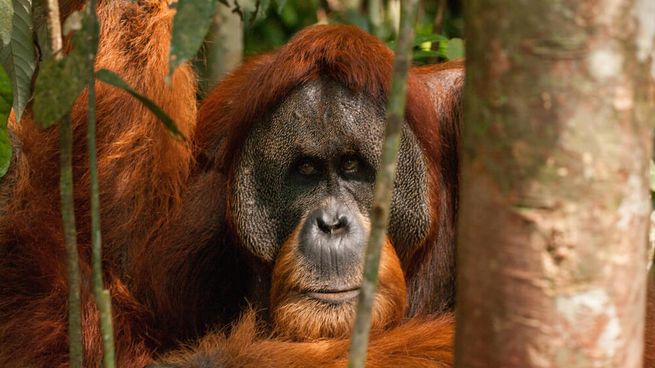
{"type": "Point", "coordinates": [311, 165]}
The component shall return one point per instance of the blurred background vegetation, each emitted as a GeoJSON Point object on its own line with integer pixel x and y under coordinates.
{"type": "Point", "coordinates": [243, 28]}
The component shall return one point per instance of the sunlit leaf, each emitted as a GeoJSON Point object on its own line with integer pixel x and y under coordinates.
{"type": "Point", "coordinates": [190, 26]}
{"type": "Point", "coordinates": [425, 54]}
{"type": "Point", "coordinates": [18, 57]}
{"type": "Point", "coordinates": [422, 38]}
{"type": "Point", "coordinates": [115, 80]}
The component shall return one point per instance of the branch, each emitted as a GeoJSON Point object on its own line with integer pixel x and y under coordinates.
{"type": "Point", "coordinates": [384, 184]}
{"type": "Point", "coordinates": [102, 296]}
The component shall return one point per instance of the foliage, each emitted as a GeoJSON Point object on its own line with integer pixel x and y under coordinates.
{"type": "Point", "coordinates": [61, 80]}
{"type": "Point", "coordinates": [17, 56]}
{"type": "Point", "coordinates": [283, 21]}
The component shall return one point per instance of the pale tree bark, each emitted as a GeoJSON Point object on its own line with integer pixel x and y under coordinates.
{"type": "Point", "coordinates": [555, 203]}
{"type": "Point", "coordinates": [223, 47]}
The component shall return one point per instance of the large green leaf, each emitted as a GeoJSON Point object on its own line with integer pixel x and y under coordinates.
{"type": "Point", "coordinates": [18, 57]}
{"type": "Point", "coordinates": [5, 107]}
{"type": "Point", "coordinates": [60, 82]}
{"type": "Point", "coordinates": [190, 26]}
{"type": "Point", "coordinates": [115, 80]}
{"type": "Point", "coordinates": [6, 11]}
{"type": "Point", "coordinates": [57, 86]}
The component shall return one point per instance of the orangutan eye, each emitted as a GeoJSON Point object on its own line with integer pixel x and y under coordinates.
{"type": "Point", "coordinates": [306, 168]}
{"type": "Point", "coordinates": [350, 166]}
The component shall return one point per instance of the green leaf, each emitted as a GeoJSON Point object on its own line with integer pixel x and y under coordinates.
{"type": "Point", "coordinates": [6, 11]}
{"type": "Point", "coordinates": [425, 54]}
{"type": "Point", "coordinates": [422, 38]}
{"type": "Point", "coordinates": [190, 26]}
{"type": "Point", "coordinates": [18, 58]}
{"type": "Point", "coordinates": [57, 86]}
{"type": "Point", "coordinates": [60, 82]}
{"type": "Point", "coordinates": [652, 176]}
{"type": "Point", "coordinates": [455, 49]}
{"type": "Point", "coordinates": [5, 108]}
{"type": "Point", "coordinates": [113, 79]}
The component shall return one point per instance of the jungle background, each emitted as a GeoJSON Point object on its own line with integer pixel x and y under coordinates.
{"type": "Point", "coordinates": [244, 28]}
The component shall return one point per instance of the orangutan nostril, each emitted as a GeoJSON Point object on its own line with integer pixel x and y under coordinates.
{"type": "Point", "coordinates": [331, 222]}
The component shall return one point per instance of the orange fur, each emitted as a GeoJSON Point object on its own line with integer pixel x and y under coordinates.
{"type": "Point", "coordinates": [141, 168]}
{"type": "Point", "coordinates": [419, 343]}
{"type": "Point", "coordinates": [160, 206]}
{"type": "Point", "coordinates": [157, 211]}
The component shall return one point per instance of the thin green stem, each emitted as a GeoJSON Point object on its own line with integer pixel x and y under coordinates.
{"type": "Point", "coordinates": [70, 240]}
{"type": "Point", "coordinates": [103, 298]}
{"type": "Point", "coordinates": [67, 206]}
{"type": "Point", "coordinates": [384, 184]}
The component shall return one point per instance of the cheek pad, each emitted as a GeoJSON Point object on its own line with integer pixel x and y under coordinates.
{"type": "Point", "coordinates": [410, 211]}
{"type": "Point", "coordinates": [251, 208]}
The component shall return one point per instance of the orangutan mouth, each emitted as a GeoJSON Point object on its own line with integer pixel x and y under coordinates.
{"type": "Point", "coordinates": [334, 296]}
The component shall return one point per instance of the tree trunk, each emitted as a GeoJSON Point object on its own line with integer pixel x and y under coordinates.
{"type": "Point", "coordinates": [224, 46]}
{"type": "Point", "coordinates": [555, 203]}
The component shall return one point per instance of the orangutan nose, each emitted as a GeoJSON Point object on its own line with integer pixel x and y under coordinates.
{"type": "Point", "coordinates": [332, 220]}
{"type": "Point", "coordinates": [332, 240]}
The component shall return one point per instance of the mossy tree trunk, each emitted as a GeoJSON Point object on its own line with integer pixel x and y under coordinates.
{"type": "Point", "coordinates": [555, 202]}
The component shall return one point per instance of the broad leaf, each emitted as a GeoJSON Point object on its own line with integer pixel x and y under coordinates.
{"type": "Point", "coordinates": [60, 82]}
{"type": "Point", "coordinates": [113, 79]}
{"type": "Point", "coordinates": [190, 26]}
{"type": "Point", "coordinates": [5, 107]}
{"type": "Point", "coordinates": [425, 54]}
{"type": "Point", "coordinates": [18, 58]}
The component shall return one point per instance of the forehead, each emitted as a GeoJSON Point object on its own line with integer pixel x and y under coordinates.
{"type": "Point", "coordinates": [320, 116]}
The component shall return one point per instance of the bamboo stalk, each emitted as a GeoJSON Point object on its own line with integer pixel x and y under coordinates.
{"type": "Point", "coordinates": [384, 184]}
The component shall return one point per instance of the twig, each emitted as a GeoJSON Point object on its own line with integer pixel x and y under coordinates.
{"type": "Point", "coordinates": [70, 239]}
{"type": "Point", "coordinates": [384, 184]}
{"type": "Point", "coordinates": [67, 206]}
{"type": "Point", "coordinates": [103, 298]}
